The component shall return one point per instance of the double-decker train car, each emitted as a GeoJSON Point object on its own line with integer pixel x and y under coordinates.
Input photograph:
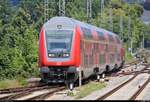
{"type": "Point", "coordinates": [67, 45]}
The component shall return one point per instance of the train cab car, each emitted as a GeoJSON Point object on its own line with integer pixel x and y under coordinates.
{"type": "Point", "coordinates": [59, 50]}
{"type": "Point", "coordinates": [67, 45]}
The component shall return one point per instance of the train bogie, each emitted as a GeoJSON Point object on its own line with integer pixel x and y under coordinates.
{"type": "Point", "coordinates": [58, 74]}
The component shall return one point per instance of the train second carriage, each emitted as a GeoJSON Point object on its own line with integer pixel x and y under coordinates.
{"type": "Point", "coordinates": [67, 46]}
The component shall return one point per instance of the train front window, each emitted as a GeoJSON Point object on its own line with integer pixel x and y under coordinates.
{"type": "Point", "coordinates": [56, 45]}
{"type": "Point", "coordinates": [59, 40]}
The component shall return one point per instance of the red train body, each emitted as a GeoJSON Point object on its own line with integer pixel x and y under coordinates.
{"type": "Point", "coordinates": [67, 45]}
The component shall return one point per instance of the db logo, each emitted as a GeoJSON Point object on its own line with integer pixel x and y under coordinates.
{"type": "Point", "coordinates": [58, 63]}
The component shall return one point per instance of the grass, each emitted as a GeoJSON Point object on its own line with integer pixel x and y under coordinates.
{"type": "Point", "coordinates": [87, 89]}
{"type": "Point", "coordinates": [20, 82]}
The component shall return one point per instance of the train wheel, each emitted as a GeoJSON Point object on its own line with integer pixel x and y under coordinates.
{"type": "Point", "coordinates": [116, 67]}
{"type": "Point", "coordinates": [107, 69]}
{"type": "Point", "coordinates": [122, 64]}
{"type": "Point", "coordinates": [41, 81]}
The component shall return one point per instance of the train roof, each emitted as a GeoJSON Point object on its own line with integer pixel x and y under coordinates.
{"type": "Point", "coordinates": [72, 23]}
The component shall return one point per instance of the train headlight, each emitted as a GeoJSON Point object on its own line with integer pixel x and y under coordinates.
{"type": "Point", "coordinates": [51, 55]}
{"type": "Point", "coordinates": [66, 55]}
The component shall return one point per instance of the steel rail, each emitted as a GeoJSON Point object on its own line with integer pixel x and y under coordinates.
{"type": "Point", "coordinates": [48, 94]}
{"type": "Point", "coordinates": [141, 88]}
{"type": "Point", "coordinates": [116, 89]}
{"type": "Point", "coordinates": [23, 93]}
{"type": "Point", "coordinates": [18, 89]}
{"type": "Point", "coordinates": [121, 85]}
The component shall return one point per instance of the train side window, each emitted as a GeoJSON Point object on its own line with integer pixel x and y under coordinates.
{"type": "Point", "coordinates": [118, 57]}
{"type": "Point", "coordinates": [106, 48]}
{"type": "Point", "coordinates": [103, 47]}
{"type": "Point", "coordinates": [115, 49]}
{"type": "Point", "coordinates": [100, 35]}
{"type": "Point", "coordinates": [96, 47]}
{"type": "Point", "coordinates": [91, 60]}
{"type": "Point", "coordinates": [102, 59]}
{"type": "Point", "coordinates": [87, 33]}
{"type": "Point", "coordinates": [112, 58]}
{"type": "Point", "coordinates": [118, 41]}
{"type": "Point", "coordinates": [82, 60]}
{"type": "Point", "coordinates": [92, 49]}
{"type": "Point", "coordinates": [82, 46]}
{"type": "Point", "coordinates": [111, 39]}
{"type": "Point", "coordinates": [110, 48]}
{"type": "Point", "coordinates": [85, 60]}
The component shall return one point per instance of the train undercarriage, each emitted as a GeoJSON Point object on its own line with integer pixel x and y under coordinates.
{"type": "Point", "coordinates": [68, 75]}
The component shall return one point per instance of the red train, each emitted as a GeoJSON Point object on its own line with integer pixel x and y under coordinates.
{"type": "Point", "coordinates": [67, 45]}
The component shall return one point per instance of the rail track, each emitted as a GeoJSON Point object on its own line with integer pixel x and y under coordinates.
{"type": "Point", "coordinates": [130, 73]}
{"type": "Point", "coordinates": [18, 89]}
{"type": "Point", "coordinates": [146, 56]}
{"type": "Point", "coordinates": [137, 93]}
{"type": "Point", "coordinates": [126, 82]}
{"type": "Point", "coordinates": [26, 92]}
{"type": "Point", "coordinates": [48, 94]}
